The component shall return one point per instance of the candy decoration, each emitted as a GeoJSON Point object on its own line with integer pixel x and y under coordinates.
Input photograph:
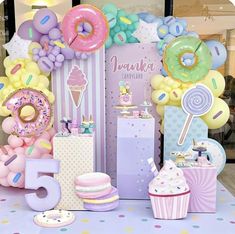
{"type": "Point", "coordinates": [41, 105]}
{"type": "Point", "coordinates": [153, 166]}
{"type": "Point", "coordinates": [10, 160]}
{"type": "Point", "coordinates": [196, 101]}
{"type": "Point", "coordinates": [182, 47]}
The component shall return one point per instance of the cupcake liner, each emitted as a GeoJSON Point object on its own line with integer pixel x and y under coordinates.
{"type": "Point", "coordinates": [170, 206]}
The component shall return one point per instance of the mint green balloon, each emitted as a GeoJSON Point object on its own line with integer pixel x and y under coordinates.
{"type": "Point", "coordinates": [112, 20]}
{"type": "Point", "coordinates": [183, 45]}
{"type": "Point", "coordinates": [110, 8]}
{"type": "Point", "coordinates": [120, 38]}
{"type": "Point", "coordinates": [108, 42]}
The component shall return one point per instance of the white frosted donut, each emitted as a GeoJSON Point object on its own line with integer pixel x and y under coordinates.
{"type": "Point", "coordinates": [54, 218]}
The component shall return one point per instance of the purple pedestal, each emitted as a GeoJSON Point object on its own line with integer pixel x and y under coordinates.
{"type": "Point", "coordinates": [135, 144]}
{"type": "Point", "coordinates": [202, 184]}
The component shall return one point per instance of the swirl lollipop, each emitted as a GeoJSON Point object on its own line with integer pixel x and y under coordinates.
{"type": "Point", "coordinates": [197, 101]}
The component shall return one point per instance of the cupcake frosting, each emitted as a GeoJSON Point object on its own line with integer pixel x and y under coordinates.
{"type": "Point", "coordinates": [170, 180]}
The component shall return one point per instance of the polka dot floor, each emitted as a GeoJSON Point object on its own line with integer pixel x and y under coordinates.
{"type": "Point", "coordinates": [132, 217]}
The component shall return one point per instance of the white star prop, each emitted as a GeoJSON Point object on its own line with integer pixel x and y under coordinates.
{"type": "Point", "coordinates": [233, 2]}
{"type": "Point", "coordinates": [146, 32]}
{"type": "Point", "coordinates": [17, 47]}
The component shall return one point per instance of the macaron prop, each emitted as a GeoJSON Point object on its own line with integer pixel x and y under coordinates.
{"type": "Point", "coordinates": [104, 203]}
{"type": "Point", "coordinates": [93, 185]}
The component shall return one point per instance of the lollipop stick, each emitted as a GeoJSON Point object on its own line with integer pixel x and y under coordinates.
{"type": "Point", "coordinates": [153, 166]}
{"type": "Point", "coordinates": [185, 129]}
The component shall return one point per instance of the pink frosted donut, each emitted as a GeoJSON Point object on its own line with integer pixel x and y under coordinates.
{"type": "Point", "coordinates": [85, 13]}
{"type": "Point", "coordinates": [29, 97]}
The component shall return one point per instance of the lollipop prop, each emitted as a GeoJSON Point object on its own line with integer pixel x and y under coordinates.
{"type": "Point", "coordinates": [153, 166]}
{"type": "Point", "coordinates": [197, 101]}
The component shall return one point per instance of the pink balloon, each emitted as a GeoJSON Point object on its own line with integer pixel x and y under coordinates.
{"type": "Point", "coordinates": [15, 141]}
{"type": "Point", "coordinates": [9, 149]}
{"type": "Point", "coordinates": [8, 125]}
{"type": "Point", "coordinates": [46, 156]}
{"type": "Point", "coordinates": [33, 152]}
{"type": "Point", "coordinates": [43, 145]}
{"type": "Point", "coordinates": [18, 164]}
{"type": "Point", "coordinates": [46, 135]}
{"type": "Point", "coordinates": [52, 132]}
{"type": "Point", "coordinates": [3, 170]}
{"type": "Point", "coordinates": [16, 179]}
{"type": "Point", "coordinates": [28, 140]}
{"type": "Point", "coordinates": [4, 182]}
{"type": "Point", "coordinates": [19, 150]}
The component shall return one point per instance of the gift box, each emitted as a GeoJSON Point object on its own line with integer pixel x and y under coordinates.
{"type": "Point", "coordinates": [76, 155]}
{"type": "Point", "coordinates": [202, 183]}
{"type": "Point", "coordinates": [135, 144]}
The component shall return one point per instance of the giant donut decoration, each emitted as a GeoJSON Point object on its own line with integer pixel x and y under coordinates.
{"type": "Point", "coordinates": [41, 105]}
{"type": "Point", "coordinates": [85, 14]}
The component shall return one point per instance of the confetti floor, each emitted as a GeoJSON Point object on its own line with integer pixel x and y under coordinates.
{"type": "Point", "coordinates": [132, 217]}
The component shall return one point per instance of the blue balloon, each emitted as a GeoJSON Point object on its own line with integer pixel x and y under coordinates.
{"type": "Point", "coordinates": [142, 15]}
{"type": "Point", "coordinates": [150, 18]}
{"type": "Point", "coordinates": [218, 52]}
{"type": "Point", "coordinates": [182, 21]}
{"type": "Point", "coordinates": [163, 71]}
{"type": "Point", "coordinates": [159, 21]}
{"type": "Point", "coordinates": [192, 34]}
{"type": "Point", "coordinates": [162, 31]}
{"type": "Point", "coordinates": [176, 29]}
{"type": "Point", "coordinates": [168, 38]}
{"type": "Point", "coordinates": [169, 20]}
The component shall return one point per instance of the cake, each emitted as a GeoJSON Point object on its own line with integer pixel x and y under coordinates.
{"type": "Point", "coordinates": [169, 193]}
{"type": "Point", "coordinates": [125, 97]}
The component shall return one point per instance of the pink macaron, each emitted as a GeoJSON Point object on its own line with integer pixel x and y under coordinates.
{"type": "Point", "coordinates": [93, 185]}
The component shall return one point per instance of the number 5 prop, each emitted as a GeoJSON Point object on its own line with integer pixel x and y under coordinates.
{"type": "Point", "coordinates": [34, 181]}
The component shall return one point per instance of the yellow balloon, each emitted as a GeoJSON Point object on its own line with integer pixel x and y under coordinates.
{"type": "Point", "coordinates": [162, 127]}
{"type": "Point", "coordinates": [15, 69]}
{"type": "Point", "coordinates": [43, 80]}
{"type": "Point", "coordinates": [3, 83]}
{"type": "Point", "coordinates": [167, 89]}
{"type": "Point", "coordinates": [7, 91]}
{"type": "Point", "coordinates": [218, 115]}
{"type": "Point", "coordinates": [174, 103]}
{"type": "Point", "coordinates": [175, 95]}
{"type": "Point", "coordinates": [29, 79]}
{"type": "Point", "coordinates": [160, 110]}
{"type": "Point", "coordinates": [215, 82]}
{"type": "Point", "coordinates": [169, 81]}
{"type": "Point", "coordinates": [156, 81]}
{"type": "Point", "coordinates": [160, 97]}
{"type": "Point", "coordinates": [7, 61]}
{"type": "Point", "coordinates": [34, 45]}
{"type": "Point", "coordinates": [51, 97]}
{"type": "Point", "coordinates": [32, 67]}
{"type": "Point", "coordinates": [4, 111]}
{"type": "Point", "coordinates": [14, 79]}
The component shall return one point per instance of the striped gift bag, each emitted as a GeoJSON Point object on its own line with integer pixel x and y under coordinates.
{"type": "Point", "coordinates": [93, 102]}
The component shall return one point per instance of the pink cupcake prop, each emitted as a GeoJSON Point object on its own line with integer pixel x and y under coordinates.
{"type": "Point", "coordinates": [169, 193]}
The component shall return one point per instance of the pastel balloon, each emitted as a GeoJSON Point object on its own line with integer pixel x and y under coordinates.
{"type": "Point", "coordinates": [4, 182]}
{"type": "Point", "coordinates": [52, 132]}
{"type": "Point", "coordinates": [218, 115]}
{"type": "Point", "coordinates": [218, 52]}
{"type": "Point", "coordinates": [162, 31]}
{"type": "Point", "coordinates": [176, 29]}
{"type": "Point", "coordinates": [160, 97]}
{"type": "Point", "coordinates": [16, 179]}
{"type": "Point", "coordinates": [28, 140]}
{"type": "Point", "coordinates": [32, 67]}
{"type": "Point", "coordinates": [29, 79]}
{"type": "Point", "coordinates": [27, 31]}
{"type": "Point", "coordinates": [160, 110]}
{"type": "Point", "coordinates": [15, 141]}
{"type": "Point", "coordinates": [3, 83]}
{"type": "Point", "coordinates": [156, 81]}
{"type": "Point", "coordinates": [215, 82]}
{"type": "Point", "coordinates": [47, 156]}
{"type": "Point", "coordinates": [175, 95]}
{"type": "Point", "coordinates": [19, 150]}
{"type": "Point", "coordinates": [44, 20]}
{"type": "Point", "coordinates": [34, 45]}
{"type": "Point", "coordinates": [43, 145]}
{"type": "Point", "coordinates": [3, 170]}
{"type": "Point", "coordinates": [18, 164]}
{"type": "Point", "coordinates": [8, 125]}
{"type": "Point", "coordinates": [33, 152]}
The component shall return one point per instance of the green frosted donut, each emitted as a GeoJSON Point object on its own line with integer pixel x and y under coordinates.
{"type": "Point", "coordinates": [189, 47]}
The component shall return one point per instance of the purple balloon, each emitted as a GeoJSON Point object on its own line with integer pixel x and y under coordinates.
{"type": "Point", "coordinates": [60, 58]}
{"type": "Point", "coordinates": [35, 50]}
{"type": "Point", "coordinates": [58, 64]}
{"type": "Point", "coordinates": [54, 34]}
{"type": "Point", "coordinates": [44, 39]}
{"type": "Point", "coordinates": [36, 57]}
{"type": "Point", "coordinates": [78, 54]}
{"type": "Point", "coordinates": [27, 31]}
{"type": "Point", "coordinates": [45, 64]}
{"type": "Point", "coordinates": [51, 57]}
{"type": "Point", "coordinates": [84, 56]}
{"type": "Point", "coordinates": [87, 27]}
{"type": "Point", "coordinates": [44, 20]}
{"type": "Point", "coordinates": [67, 52]}
{"type": "Point", "coordinates": [42, 53]}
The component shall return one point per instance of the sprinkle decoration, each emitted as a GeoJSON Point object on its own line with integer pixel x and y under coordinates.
{"type": "Point", "coordinates": [10, 160]}
{"type": "Point", "coordinates": [44, 19]}
{"type": "Point", "coordinates": [17, 177]}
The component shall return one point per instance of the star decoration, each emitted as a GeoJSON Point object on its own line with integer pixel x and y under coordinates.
{"type": "Point", "coordinates": [17, 47]}
{"type": "Point", "coordinates": [146, 32]}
